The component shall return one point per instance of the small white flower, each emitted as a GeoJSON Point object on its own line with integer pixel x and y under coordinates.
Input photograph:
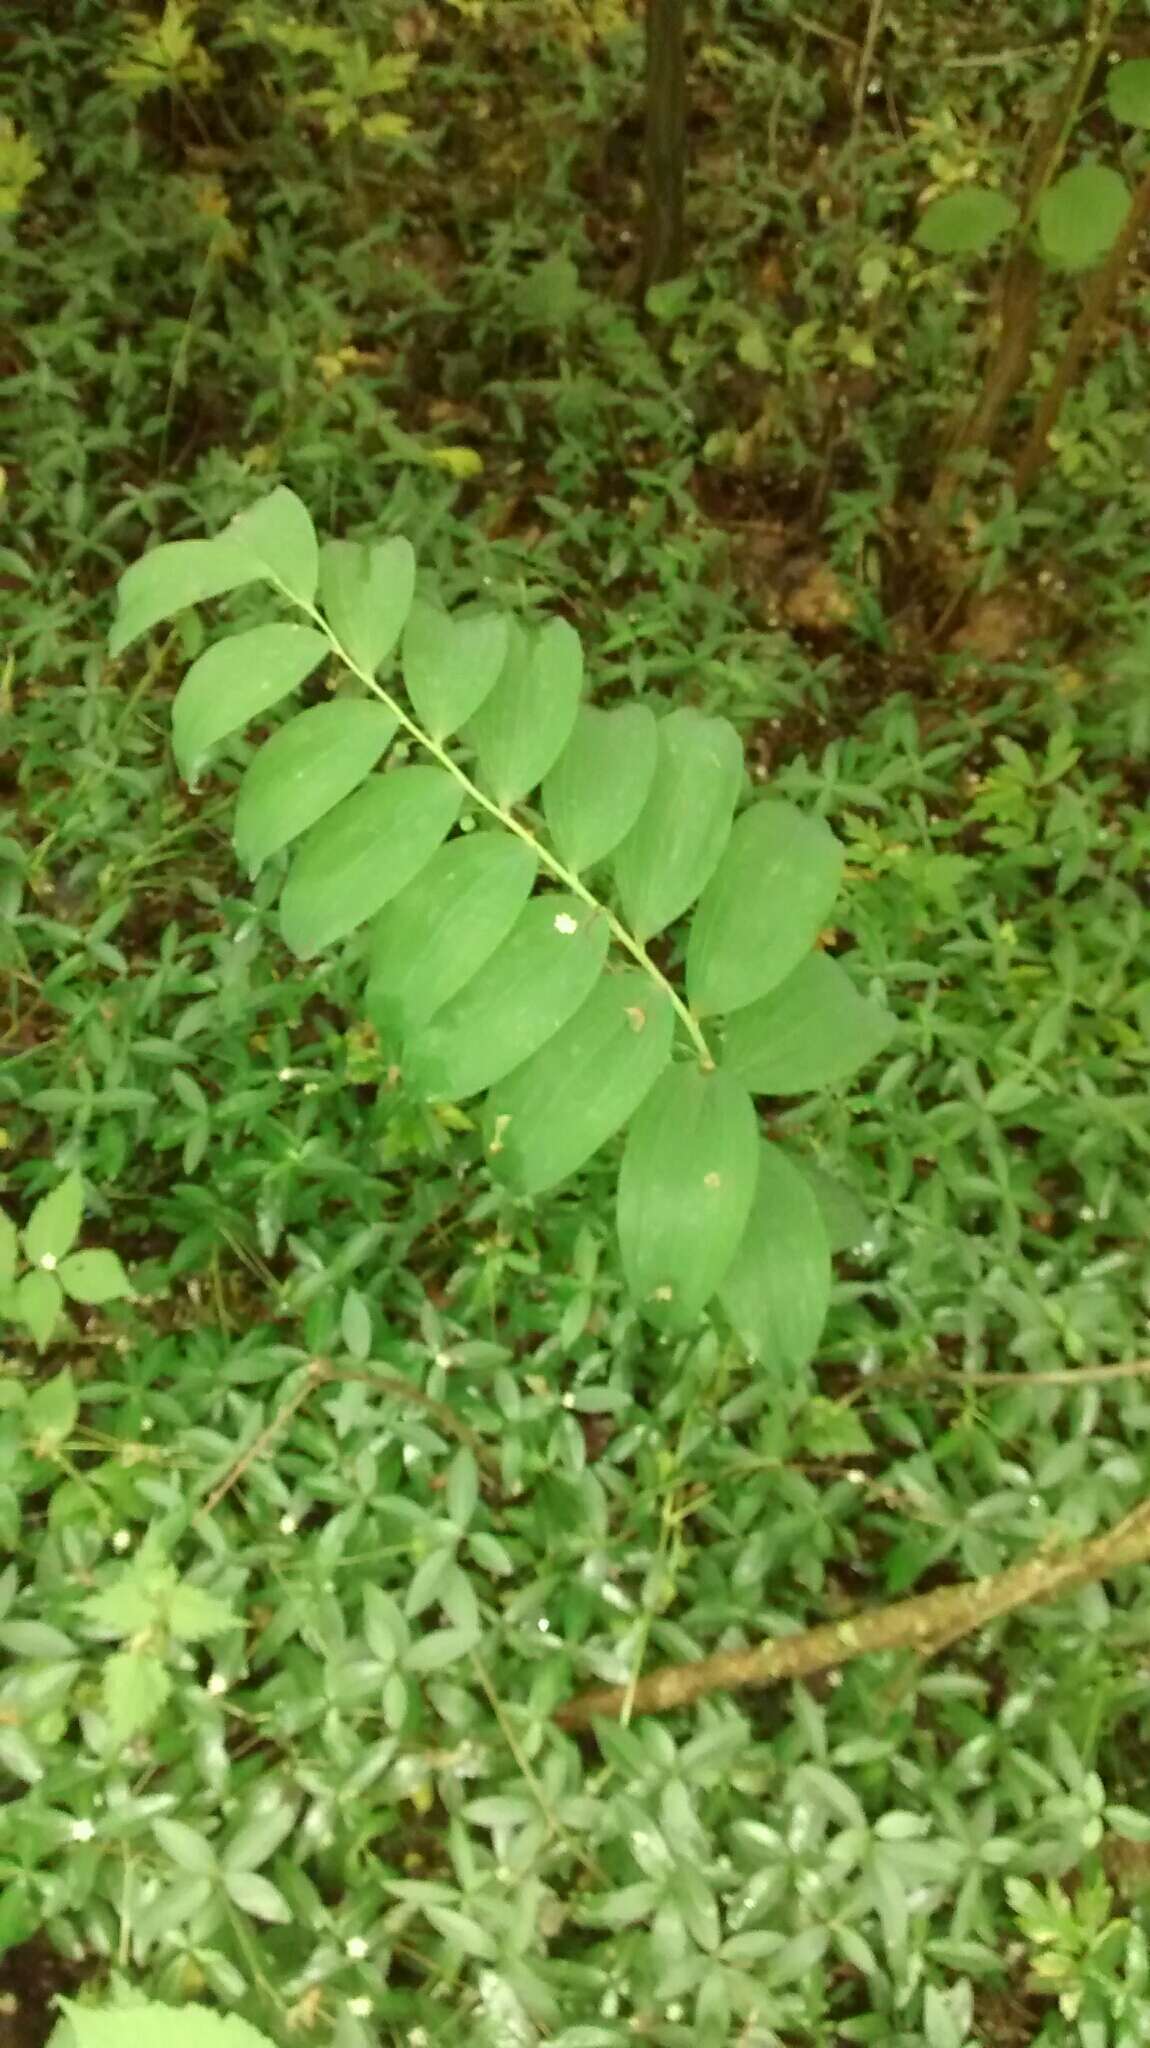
{"type": "Point", "coordinates": [48, 1262]}
{"type": "Point", "coordinates": [288, 1525]}
{"type": "Point", "coordinates": [82, 1830]}
{"type": "Point", "coordinates": [856, 1477]}
{"type": "Point", "coordinates": [543, 1625]}
{"type": "Point", "coordinates": [217, 1684]}
{"type": "Point", "coordinates": [122, 1540]}
{"type": "Point", "coordinates": [147, 1422]}
{"type": "Point", "coordinates": [286, 1074]}
{"type": "Point", "coordinates": [444, 1360]}
{"type": "Point", "coordinates": [674, 2012]}
{"type": "Point", "coordinates": [566, 924]}
{"type": "Point", "coordinates": [359, 2008]}
{"type": "Point", "coordinates": [355, 1948]}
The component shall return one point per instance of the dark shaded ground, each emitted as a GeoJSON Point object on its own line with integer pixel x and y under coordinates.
{"type": "Point", "coordinates": [32, 1977]}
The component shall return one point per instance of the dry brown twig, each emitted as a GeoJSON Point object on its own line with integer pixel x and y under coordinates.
{"type": "Point", "coordinates": [321, 1373]}
{"type": "Point", "coordinates": [1054, 1376]}
{"type": "Point", "coordinates": [919, 1624]}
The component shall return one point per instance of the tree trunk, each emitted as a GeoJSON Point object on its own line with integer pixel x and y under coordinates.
{"type": "Point", "coordinates": [665, 142]}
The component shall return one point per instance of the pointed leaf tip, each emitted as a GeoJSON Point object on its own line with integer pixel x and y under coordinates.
{"type": "Point", "coordinates": [777, 1288]}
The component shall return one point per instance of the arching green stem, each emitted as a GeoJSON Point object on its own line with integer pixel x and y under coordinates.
{"type": "Point", "coordinates": [546, 859]}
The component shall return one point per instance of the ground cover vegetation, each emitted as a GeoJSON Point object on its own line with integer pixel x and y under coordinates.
{"type": "Point", "coordinates": [370, 1557]}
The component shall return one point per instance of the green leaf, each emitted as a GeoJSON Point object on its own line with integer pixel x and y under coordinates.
{"type": "Point", "coordinates": [8, 1243]}
{"type": "Point", "coordinates": [235, 681]}
{"type": "Point", "coordinates": [529, 988]}
{"type": "Point", "coordinates": [810, 1031]}
{"type": "Point", "coordinates": [169, 578]}
{"type": "Point", "coordinates": [685, 1190]}
{"type": "Point", "coordinates": [278, 538]}
{"type": "Point", "coordinates": [965, 223]}
{"type": "Point", "coordinates": [525, 721]}
{"type": "Point", "coordinates": [135, 1686]}
{"type": "Point", "coordinates": [20, 1916]}
{"type": "Point", "coordinates": [599, 784]}
{"type": "Point", "coordinates": [50, 1416]}
{"type": "Point", "coordinates": [304, 770]}
{"type": "Point", "coordinates": [271, 1822]}
{"type": "Point", "coordinates": [1081, 216]}
{"type": "Point", "coordinates": [845, 1221]}
{"type": "Point", "coordinates": [777, 1289]}
{"type": "Point", "coordinates": [54, 1225]}
{"type": "Point", "coordinates": [38, 1298]}
{"type": "Point", "coordinates": [439, 931]}
{"type": "Point", "coordinates": [763, 908]}
{"type": "Point", "coordinates": [675, 846]}
{"type": "Point", "coordinates": [831, 1429]}
{"type": "Point", "coordinates": [450, 665]}
{"type": "Point", "coordinates": [186, 1848]}
{"type": "Point", "coordinates": [94, 1277]}
{"type": "Point", "coordinates": [545, 1119]}
{"type": "Point", "coordinates": [364, 852]}
{"type": "Point", "coordinates": [366, 595]}
{"type": "Point", "coordinates": [256, 1895]}
{"type": "Point", "coordinates": [148, 2026]}
{"type": "Point", "coordinates": [194, 1615]}
{"type": "Point", "coordinates": [129, 1606]}
{"type": "Point", "coordinates": [1128, 92]}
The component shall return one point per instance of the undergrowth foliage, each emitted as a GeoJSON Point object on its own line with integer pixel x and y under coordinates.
{"type": "Point", "coordinates": [495, 968]}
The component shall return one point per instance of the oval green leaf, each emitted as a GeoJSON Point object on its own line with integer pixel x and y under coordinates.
{"type": "Point", "coordinates": [278, 538]}
{"type": "Point", "coordinates": [169, 578]}
{"type": "Point", "coordinates": [763, 908]}
{"type": "Point", "coordinates": [438, 932]}
{"type": "Point", "coordinates": [548, 1117]}
{"type": "Point", "coordinates": [599, 784]}
{"type": "Point", "coordinates": [810, 1031]}
{"type": "Point", "coordinates": [363, 853]}
{"type": "Point", "coordinates": [1081, 216]}
{"type": "Point", "coordinates": [38, 1299]}
{"type": "Point", "coordinates": [1128, 92]}
{"type": "Point", "coordinates": [450, 665]}
{"type": "Point", "coordinates": [94, 1277]}
{"type": "Point", "coordinates": [366, 593]}
{"type": "Point", "coordinates": [54, 1224]}
{"type": "Point", "coordinates": [527, 990]}
{"type": "Point", "coordinates": [685, 1191]}
{"type": "Point", "coordinates": [677, 841]}
{"type": "Point", "coordinates": [777, 1289]}
{"type": "Point", "coordinates": [303, 771]}
{"type": "Point", "coordinates": [525, 722]}
{"type": "Point", "coordinates": [237, 680]}
{"type": "Point", "coordinates": [965, 223]}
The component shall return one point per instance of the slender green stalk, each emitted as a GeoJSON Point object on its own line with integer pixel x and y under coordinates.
{"type": "Point", "coordinates": [546, 859]}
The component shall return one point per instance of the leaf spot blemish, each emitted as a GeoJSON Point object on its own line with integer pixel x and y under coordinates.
{"type": "Point", "coordinates": [712, 1181]}
{"type": "Point", "coordinates": [501, 1123]}
{"type": "Point", "coordinates": [664, 1293]}
{"type": "Point", "coordinates": [636, 1017]}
